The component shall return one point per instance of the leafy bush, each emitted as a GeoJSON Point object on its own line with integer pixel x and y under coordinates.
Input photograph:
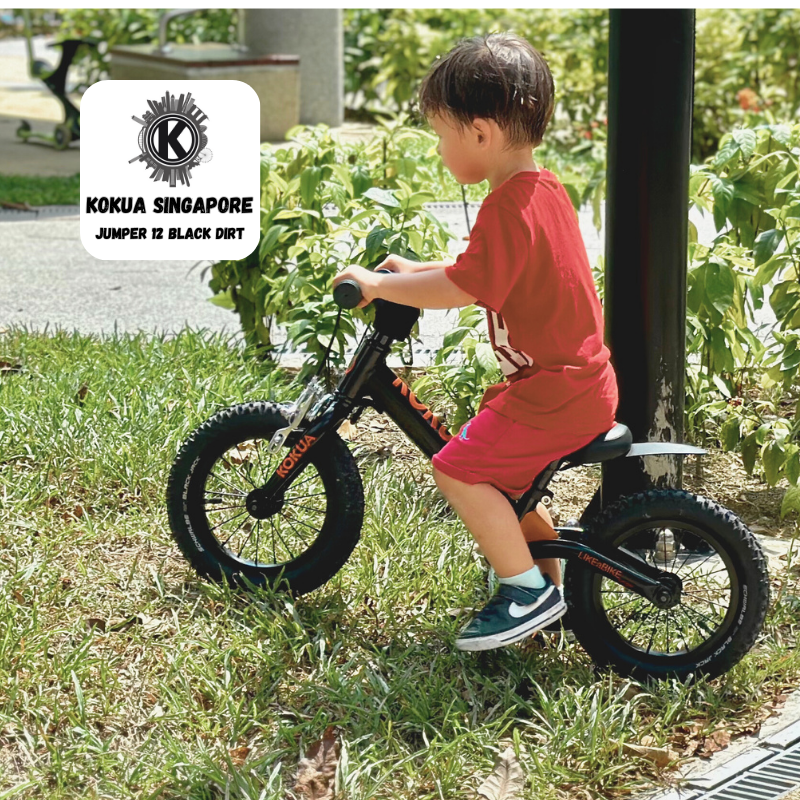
{"type": "Point", "coordinates": [746, 62]}
{"type": "Point", "coordinates": [324, 206]}
{"type": "Point", "coordinates": [120, 26]}
{"type": "Point", "coordinates": [740, 389]}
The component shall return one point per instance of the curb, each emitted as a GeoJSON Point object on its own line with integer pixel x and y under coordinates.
{"type": "Point", "coordinates": [744, 762]}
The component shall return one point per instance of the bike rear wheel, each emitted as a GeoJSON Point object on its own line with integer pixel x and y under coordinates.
{"type": "Point", "coordinates": [724, 596]}
{"type": "Point", "coordinates": [302, 543]}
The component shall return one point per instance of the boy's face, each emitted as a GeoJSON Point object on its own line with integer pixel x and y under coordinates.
{"type": "Point", "coordinates": [461, 148]}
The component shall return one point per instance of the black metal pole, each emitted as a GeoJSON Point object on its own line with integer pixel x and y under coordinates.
{"type": "Point", "coordinates": [650, 96]}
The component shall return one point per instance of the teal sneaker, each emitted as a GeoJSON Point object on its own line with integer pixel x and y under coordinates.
{"type": "Point", "coordinates": [514, 613]}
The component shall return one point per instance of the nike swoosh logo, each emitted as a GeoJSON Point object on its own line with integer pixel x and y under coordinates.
{"type": "Point", "coordinates": [515, 610]}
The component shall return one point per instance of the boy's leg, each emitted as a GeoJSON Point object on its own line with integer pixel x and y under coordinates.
{"type": "Point", "coordinates": [518, 609]}
{"type": "Point", "coordinates": [491, 520]}
{"type": "Point", "coordinates": [537, 525]}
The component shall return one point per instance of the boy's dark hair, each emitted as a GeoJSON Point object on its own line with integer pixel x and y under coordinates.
{"type": "Point", "coordinates": [500, 77]}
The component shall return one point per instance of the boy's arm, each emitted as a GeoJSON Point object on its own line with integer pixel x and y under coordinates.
{"type": "Point", "coordinates": [428, 288]}
{"type": "Point", "coordinates": [399, 264]}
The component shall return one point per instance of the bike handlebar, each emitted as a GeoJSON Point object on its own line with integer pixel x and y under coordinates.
{"type": "Point", "coordinates": [347, 294]}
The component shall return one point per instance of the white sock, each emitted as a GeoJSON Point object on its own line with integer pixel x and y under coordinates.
{"type": "Point", "coordinates": [532, 579]}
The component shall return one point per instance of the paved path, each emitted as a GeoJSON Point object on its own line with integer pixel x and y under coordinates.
{"type": "Point", "coordinates": [50, 279]}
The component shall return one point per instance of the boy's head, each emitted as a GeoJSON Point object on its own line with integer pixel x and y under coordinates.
{"type": "Point", "coordinates": [498, 77]}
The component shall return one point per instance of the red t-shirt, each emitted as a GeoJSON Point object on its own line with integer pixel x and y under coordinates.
{"type": "Point", "coordinates": [526, 264]}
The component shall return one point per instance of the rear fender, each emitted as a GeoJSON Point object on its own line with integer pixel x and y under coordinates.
{"type": "Point", "coordinates": [663, 449]}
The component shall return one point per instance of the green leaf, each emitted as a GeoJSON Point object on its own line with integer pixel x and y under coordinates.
{"type": "Point", "coordinates": [729, 150]}
{"type": "Point", "coordinates": [791, 501]}
{"type": "Point", "coordinates": [766, 244]}
{"type": "Point", "coordinates": [746, 139]}
{"type": "Point", "coordinates": [791, 469]}
{"type": "Point", "coordinates": [724, 390]}
{"type": "Point", "coordinates": [781, 134]}
{"type": "Point", "coordinates": [484, 354]}
{"type": "Point", "coordinates": [270, 240]}
{"type": "Point", "coordinates": [223, 300]}
{"type": "Point", "coordinates": [309, 181]}
{"type": "Point", "coordinates": [719, 285]}
{"type": "Point", "coordinates": [574, 195]}
{"type": "Point", "coordinates": [382, 197]}
{"type": "Point", "coordinates": [773, 458]}
{"type": "Point", "coordinates": [730, 433]}
{"type": "Point", "coordinates": [722, 190]}
{"type": "Point", "coordinates": [375, 240]}
{"type": "Point", "coordinates": [749, 452]}
{"type": "Point", "coordinates": [362, 181]}
{"type": "Point", "coordinates": [767, 271]}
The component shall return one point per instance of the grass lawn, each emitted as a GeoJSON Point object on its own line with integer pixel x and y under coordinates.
{"type": "Point", "coordinates": [122, 675]}
{"type": "Point", "coordinates": [33, 191]}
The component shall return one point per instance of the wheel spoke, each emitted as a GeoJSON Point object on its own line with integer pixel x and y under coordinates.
{"type": "Point", "coordinates": [317, 530]}
{"type": "Point", "coordinates": [619, 605]}
{"type": "Point", "coordinates": [691, 621]}
{"type": "Point", "coordinates": [653, 632]}
{"type": "Point", "coordinates": [226, 494]}
{"type": "Point", "coordinates": [229, 519]}
{"type": "Point", "coordinates": [224, 460]}
{"type": "Point", "coordinates": [288, 549]}
{"type": "Point", "coordinates": [307, 508]}
{"type": "Point", "coordinates": [213, 474]}
{"type": "Point", "coordinates": [224, 508]}
{"type": "Point", "coordinates": [224, 544]}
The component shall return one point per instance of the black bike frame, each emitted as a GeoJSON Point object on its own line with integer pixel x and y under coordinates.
{"type": "Point", "coordinates": [369, 382]}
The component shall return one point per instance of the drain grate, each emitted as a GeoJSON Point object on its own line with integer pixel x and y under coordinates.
{"type": "Point", "coordinates": [769, 780]}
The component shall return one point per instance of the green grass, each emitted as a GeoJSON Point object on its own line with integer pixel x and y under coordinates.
{"type": "Point", "coordinates": [40, 191]}
{"type": "Point", "coordinates": [152, 707]}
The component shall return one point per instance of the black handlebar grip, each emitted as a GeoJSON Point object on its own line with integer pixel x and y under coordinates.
{"type": "Point", "coordinates": [347, 294]}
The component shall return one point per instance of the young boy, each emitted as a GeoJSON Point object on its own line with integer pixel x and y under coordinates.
{"type": "Point", "coordinates": [489, 100]}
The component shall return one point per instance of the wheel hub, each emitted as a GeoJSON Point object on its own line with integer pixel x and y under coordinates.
{"type": "Point", "coordinates": [262, 507]}
{"type": "Point", "coordinates": [668, 594]}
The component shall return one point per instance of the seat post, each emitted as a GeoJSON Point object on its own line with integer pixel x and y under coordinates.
{"type": "Point", "coordinates": [538, 490]}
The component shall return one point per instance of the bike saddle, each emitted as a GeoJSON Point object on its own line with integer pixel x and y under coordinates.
{"type": "Point", "coordinates": [612, 444]}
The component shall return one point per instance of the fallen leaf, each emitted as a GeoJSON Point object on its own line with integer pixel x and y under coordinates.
{"type": "Point", "coordinates": [242, 453]}
{"type": "Point", "coordinates": [19, 597]}
{"type": "Point", "coordinates": [660, 756]}
{"type": "Point", "coordinates": [717, 741]}
{"type": "Point", "coordinates": [82, 392]}
{"type": "Point", "coordinates": [507, 781]}
{"type": "Point", "coordinates": [96, 622]}
{"type": "Point", "coordinates": [238, 755]}
{"type": "Point", "coordinates": [347, 430]}
{"type": "Point", "coordinates": [316, 773]}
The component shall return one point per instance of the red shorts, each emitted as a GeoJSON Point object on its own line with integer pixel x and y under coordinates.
{"type": "Point", "coordinates": [492, 448]}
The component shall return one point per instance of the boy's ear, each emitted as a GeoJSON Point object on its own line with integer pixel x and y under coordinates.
{"type": "Point", "coordinates": [482, 129]}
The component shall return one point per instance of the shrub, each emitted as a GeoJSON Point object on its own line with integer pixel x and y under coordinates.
{"type": "Point", "coordinates": [324, 206]}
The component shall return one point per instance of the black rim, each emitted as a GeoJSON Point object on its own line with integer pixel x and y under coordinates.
{"type": "Point", "coordinates": [708, 604]}
{"type": "Point", "coordinates": [272, 542]}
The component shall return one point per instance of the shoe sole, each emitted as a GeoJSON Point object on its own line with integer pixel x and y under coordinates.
{"type": "Point", "coordinates": [514, 635]}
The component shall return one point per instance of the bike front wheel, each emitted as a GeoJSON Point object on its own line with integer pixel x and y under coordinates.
{"type": "Point", "coordinates": [724, 589]}
{"type": "Point", "coordinates": [300, 545]}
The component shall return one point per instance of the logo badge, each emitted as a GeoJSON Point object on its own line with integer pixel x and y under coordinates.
{"type": "Point", "coordinates": [172, 140]}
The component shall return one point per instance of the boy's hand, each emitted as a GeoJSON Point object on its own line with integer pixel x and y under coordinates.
{"type": "Point", "coordinates": [367, 280]}
{"type": "Point", "coordinates": [396, 263]}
